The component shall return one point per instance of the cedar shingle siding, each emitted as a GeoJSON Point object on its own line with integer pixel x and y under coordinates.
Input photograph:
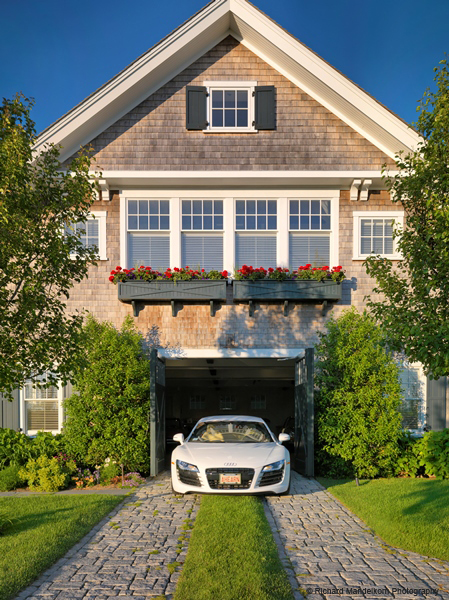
{"type": "Point", "coordinates": [153, 135]}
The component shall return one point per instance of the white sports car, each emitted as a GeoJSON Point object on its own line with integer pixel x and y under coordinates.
{"type": "Point", "coordinates": [231, 454]}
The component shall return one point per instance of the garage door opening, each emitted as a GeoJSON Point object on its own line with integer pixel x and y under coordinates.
{"type": "Point", "coordinates": [280, 390]}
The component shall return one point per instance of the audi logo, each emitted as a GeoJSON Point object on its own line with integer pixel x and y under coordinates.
{"type": "Point", "coordinates": [230, 464]}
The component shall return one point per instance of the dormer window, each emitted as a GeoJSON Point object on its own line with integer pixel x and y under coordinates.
{"type": "Point", "coordinates": [230, 107]}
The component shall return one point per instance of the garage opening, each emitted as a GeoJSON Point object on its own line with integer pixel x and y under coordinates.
{"type": "Point", "coordinates": [278, 389]}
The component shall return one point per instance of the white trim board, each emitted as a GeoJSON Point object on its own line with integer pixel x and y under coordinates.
{"type": "Point", "coordinates": [281, 353]}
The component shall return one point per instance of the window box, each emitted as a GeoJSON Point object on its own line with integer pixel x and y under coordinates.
{"type": "Point", "coordinates": [287, 291]}
{"type": "Point", "coordinates": [170, 291]}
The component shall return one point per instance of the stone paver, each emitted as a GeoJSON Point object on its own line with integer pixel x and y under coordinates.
{"type": "Point", "coordinates": [136, 552]}
{"type": "Point", "coordinates": [328, 552]}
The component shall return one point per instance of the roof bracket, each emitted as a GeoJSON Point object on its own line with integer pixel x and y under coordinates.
{"type": "Point", "coordinates": [354, 191]}
{"type": "Point", "coordinates": [364, 190]}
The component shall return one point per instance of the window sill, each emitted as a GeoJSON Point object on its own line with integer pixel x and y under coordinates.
{"type": "Point", "coordinates": [389, 256]}
{"type": "Point", "coordinates": [231, 130]}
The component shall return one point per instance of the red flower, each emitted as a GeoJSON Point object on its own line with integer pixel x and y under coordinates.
{"type": "Point", "coordinates": [118, 268]}
{"type": "Point", "coordinates": [112, 272]}
{"type": "Point", "coordinates": [270, 270]}
{"type": "Point", "coordinates": [224, 273]}
{"type": "Point", "coordinates": [111, 278]}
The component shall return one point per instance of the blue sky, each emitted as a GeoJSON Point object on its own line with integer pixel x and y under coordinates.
{"type": "Point", "coordinates": [59, 53]}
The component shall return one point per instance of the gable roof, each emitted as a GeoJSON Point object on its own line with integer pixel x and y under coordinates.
{"type": "Point", "coordinates": [261, 35]}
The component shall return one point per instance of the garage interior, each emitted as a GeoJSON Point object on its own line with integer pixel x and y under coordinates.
{"type": "Point", "coordinates": [199, 387]}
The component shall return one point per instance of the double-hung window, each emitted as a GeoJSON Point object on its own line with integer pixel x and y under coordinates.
{"type": "Point", "coordinates": [202, 234]}
{"type": "Point", "coordinates": [42, 407]}
{"type": "Point", "coordinates": [373, 233]}
{"type": "Point", "coordinates": [255, 238]}
{"type": "Point", "coordinates": [148, 233]}
{"type": "Point", "coordinates": [92, 232]}
{"type": "Point", "coordinates": [310, 225]}
{"type": "Point", "coordinates": [413, 408]}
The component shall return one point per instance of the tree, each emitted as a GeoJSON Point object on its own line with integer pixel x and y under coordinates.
{"type": "Point", "coordinates": [109, 415]}
{"type": "Point", "coordinates": [38, 263]}
{"type": "Point", "coordinates": [414, 310]}
{"type": "Point", "coordinates": [357, 420]}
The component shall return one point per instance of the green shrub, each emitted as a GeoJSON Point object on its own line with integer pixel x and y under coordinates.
{"type": "Point", "coordinates": [46, 444]}
{"type": "Point", "coordinates": [15, 448]}
{"type": "Point", "coordinates": [108, 472]}
{"type": "Point", "coordinates": [409, 462]}
{"type": "Point", "coordinates": [434, 453]}
{"type": "Point", "coordinates": [357, 420]}
{"type": "Point", "coordinates": [45, 474]}
{"type": "Point", "coordinates": [10, 478]}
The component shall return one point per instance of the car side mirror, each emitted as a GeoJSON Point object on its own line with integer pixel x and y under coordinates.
{"type": "Point", "coordinates": [284, 437]}
{"type": "Point", "coordinates": [179, 437]}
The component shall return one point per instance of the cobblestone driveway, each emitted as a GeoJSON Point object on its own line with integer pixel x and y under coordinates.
{"type": "Point", "coordinates": [131, 554]}
{"type": "Point", "coordinates": [331, 553]}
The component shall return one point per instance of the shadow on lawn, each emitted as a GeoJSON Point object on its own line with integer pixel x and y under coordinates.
{"type": "Point", "coordinates": [430, 498]}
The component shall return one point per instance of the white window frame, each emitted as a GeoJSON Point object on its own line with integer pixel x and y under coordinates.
{"type": "Point", "coordinates": [100, 216]}
{"type": "Point", "coordinates": [398, 217]}
{"type": "Point", "coordinates": [23, 412]}
{"type": "Point", "coordinates": [231, 85]}
{"type": "Point", "coordinates": [266, 214]}
{"type": "Point", "coordinates": [422, 411]}
{"type": "Point", "coordinates": [191, 230]}
{"type": "Point", "coordinates": [332, 233]}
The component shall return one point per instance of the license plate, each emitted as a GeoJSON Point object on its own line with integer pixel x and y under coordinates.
{"type": "Point", "coordinates": [230, 478]}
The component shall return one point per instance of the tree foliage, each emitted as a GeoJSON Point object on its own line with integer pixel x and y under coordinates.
{"type": "Point", "coordinates": [357, 420]}
{"type": "Point", "coordinates": [109, 414]}
{"type": "Point", "coordinates": [38, 264]}
{"type": "Point", "coordinates": [415, 308]}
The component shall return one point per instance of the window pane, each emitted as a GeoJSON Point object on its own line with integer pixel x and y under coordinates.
{"type": "Point", "coordinates": [164, 222]}
{"type": "Point", "coordinates": [365, 246]}
{"type": "Point", "coordinates": [305, 207]}
{"type": "Point", "coordinates": [132, 207]}
{"type": "Point", "coordinates": [143, 222]}
{"type": "Point", "coordinates": [42, 416]}
{"type": "Point", "coordinates": [197, 207]}
{"type": "Point", "coordinates": [305, 249]}
{"type": "Point", "coordinates": [378, 227]}
{"type": "Point", "coordinates": [218, 207]}
{"type": "Point", "coordinates": [388, 246]}
{"type": "Point", "coordinates": [242, 118]}
{"type": "Point", "coordinates": [229, 97]}
{"type": "Point", "coordinates": [204, 251]}
{"type": "Point", "coordinates": [207, 207]}
{"type": "Point", "coordinates": [240, 207]}
{"type": "Point", "coordinates": [197, 222]}
{"type": "Point", "coordinates": [132, 222]}
{"type": "Point", "coordinates": [217, 118]}
{"type": "Point", "coordinates": [239, 222]}
{"type": "Point", "coordinates": [186, 222]}
{"type": "Point", "coordinates": [261, 207]}
{"type": "Point", "coordinates": [378, 246]}
{"type": "Point", "coordinates": [294, 222]}
{"type": "Point", "coordinates": [218, 222]}
{"type": "Point", "coordinates": [272, 207]}
{"type": "Point", "coordinates": [255, 250]}
{"type": "Point", "coordinates": [147, 249]}
{"type": "Point", "coordinates": [242, 99]}
{"type": "Point", "coordinates": [325, 222]}
{"type": "Point", "coordinates": [229, 118]}
{"type": "Point", "coordinates": [154, 207]}
{"type": "Point", "coordinates": [251, 207]}
{"type": "Point", "coordinates": [365, 227]}
{"type": "Point", "coordinates": [388, 228]}
{"type": "Point", "coordinates": [143, 207]}
{"type": "Point", "coordinates": [315, 207]}
{"type": "Point", "coordinates": [186, 207]}
{"type": "Point", "coordinates": [250, 222]}
{"type": "Point", "coordinates": [92, 228]}
{"type": "Point", "coordinates": [325, 207]}
{"type": "Point", "coordinates": [164, 207]}
{"type": "Point", "coordinates": [294, 207]}
{"type": "Point", "coordinates": [207, 220]}
{"type": "Point", "coordinates": [272, 222]}
{"type": "Point", "coordinates": [305, 222]}
{"type": "Point", "coordinates": [217, 99]}
{"type": "Point", "coordinates": [154, 222]}
{"type": "Point", "coordinates": [315, 222]}
{"type": "Point", "coordinates": [261, 222]}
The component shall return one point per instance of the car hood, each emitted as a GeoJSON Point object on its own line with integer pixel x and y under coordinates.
{"type": "Point", "coordinates": [230, 455]}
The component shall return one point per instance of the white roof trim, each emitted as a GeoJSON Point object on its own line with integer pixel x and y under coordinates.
{"type": "Point", "coordinates": [282, 353]}
{"type": "Point", "coordinates": [262, 36]}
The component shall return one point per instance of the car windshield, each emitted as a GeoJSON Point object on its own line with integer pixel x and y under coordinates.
{"type": "Point", "coordinates": [231, 432]}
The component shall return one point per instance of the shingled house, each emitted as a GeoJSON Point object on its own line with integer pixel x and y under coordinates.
{"type": "Point", "coordinates": [229, 143]}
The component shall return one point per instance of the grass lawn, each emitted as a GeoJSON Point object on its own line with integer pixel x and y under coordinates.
{"type": "Point", "coordinates": [232, 554]}
{"type": "Point", "coordinates": [412, 514]}
{"type": "Point", "coordinates": [43, 529]}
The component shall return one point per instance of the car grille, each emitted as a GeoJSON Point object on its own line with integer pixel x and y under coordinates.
{"type": "Point", "coordinates": [189, 477]}
{"type": "Point", "coordinates": [213, 478]}
{"type": "Point", "coordinates": [271, 477]}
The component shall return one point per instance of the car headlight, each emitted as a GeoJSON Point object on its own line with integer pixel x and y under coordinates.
{"type": "Point", "coordinates": [186, 466]}
{"type": "Point", "coordinates": [274, 466]}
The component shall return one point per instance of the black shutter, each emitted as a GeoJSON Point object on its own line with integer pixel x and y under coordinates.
{"type": "Point", "coordinates": [265, 107]}
{"type": "Point", "coordinates": [436, 403]}
{"type": "Point", "coordinates": [196, 107]}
